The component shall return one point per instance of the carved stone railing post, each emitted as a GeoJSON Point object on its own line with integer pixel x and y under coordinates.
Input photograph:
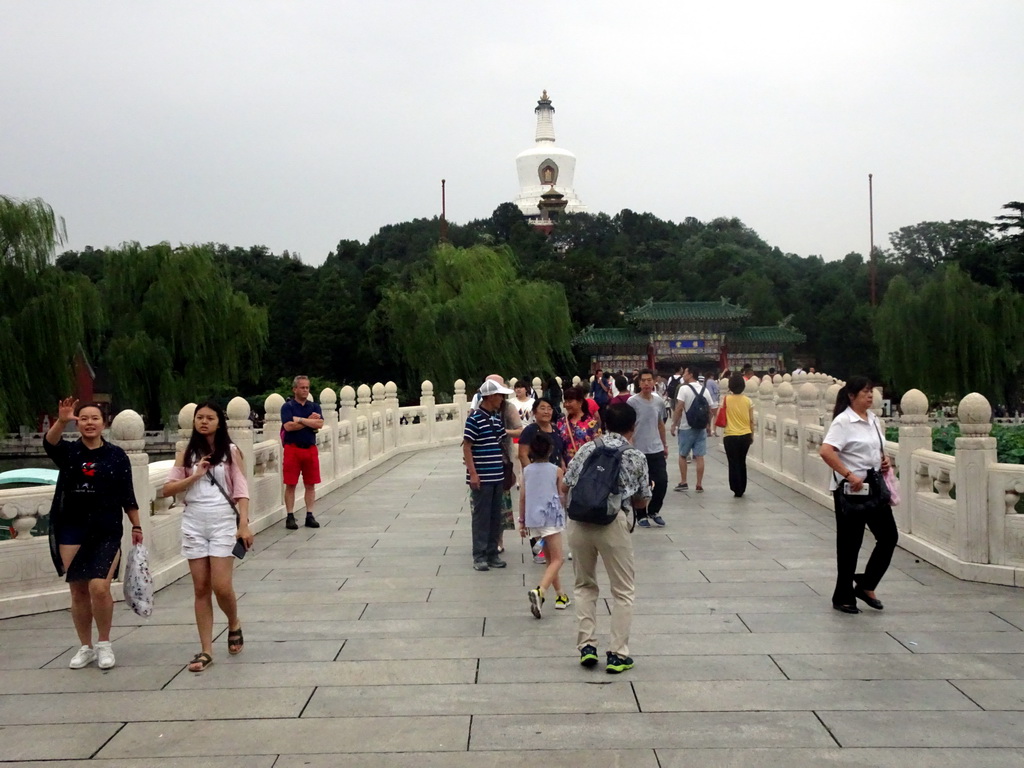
{"type": "Point", "coordinates": [576, 380]}
{"type": "Point", "coordinates": [785, 411]}
{"type": "Point", "coordinates": [807, 416]}
{"type": "Point", "coordinates": [185, 417]}
{"type": "Point", "coordinates": [538, 386]}
{"type": "Point", "coordinates": [915, 435]}
{"type": "Point", "coordinates": [347, 429]}
{"type": "Point", "coordinates": [975, 451]}
{"type": "Point", "coordinates": [364, 410]}
{"type": "Point", "coordinates": [459, 398]}
{"type": "Point", "coordinates": [329, 409]}
{"type": "Point", "coordinates": [129, 432]}
{"type": "Point", "coordinates": [272, 431]}
{"type": "Point", "coordinates": [390, 415]}
{"type": "Point", "coordinates": [241, 432]}
{"type": "Point", "coordinates": [427, 407]}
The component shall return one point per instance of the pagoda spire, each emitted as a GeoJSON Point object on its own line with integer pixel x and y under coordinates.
{"type": "Point", "coordinates": [545, 119]}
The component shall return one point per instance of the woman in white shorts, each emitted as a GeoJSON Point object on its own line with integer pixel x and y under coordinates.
{"type": "Point", "coordinates": [542, 515]}
{"type": "Point", "coordinates": [205, 474]}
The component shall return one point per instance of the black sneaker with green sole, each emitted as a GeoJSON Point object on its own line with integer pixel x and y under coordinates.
{"type": "Point", "coordinates": [618, 663]}
{"type": "Point", "coordinates": [588, 655]}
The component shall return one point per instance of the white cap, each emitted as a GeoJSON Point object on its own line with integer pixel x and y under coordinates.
{"type": "Point", "coordinates": [491, 387]}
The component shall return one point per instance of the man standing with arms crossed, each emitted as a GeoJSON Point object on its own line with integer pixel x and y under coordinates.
{"type": "Point", "coordinates": [649, 439]}
{"type": "Point", "coordinates": [301, 419]}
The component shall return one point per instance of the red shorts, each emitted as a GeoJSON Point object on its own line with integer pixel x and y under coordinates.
{"type": "Point", "coordinates": [298, 459]}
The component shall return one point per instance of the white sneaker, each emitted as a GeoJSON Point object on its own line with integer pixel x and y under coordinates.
{"type": "Point", "coordinates": [83, 658]}
{"type": "Point", "coordinates": [104, 655]}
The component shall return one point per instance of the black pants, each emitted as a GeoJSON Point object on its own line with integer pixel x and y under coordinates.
{"type": "Point", "coordinates": [849, 537]}
{"type": "Point", "coordinates": [486, 520]}
{"type": "Point", "coordinates": [657, 468]}
{"type": "Point", "coordinates": [736, 447]}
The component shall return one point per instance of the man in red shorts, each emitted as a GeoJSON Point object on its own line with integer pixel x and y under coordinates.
{"type": "Point", "coordinates": [301, 419]}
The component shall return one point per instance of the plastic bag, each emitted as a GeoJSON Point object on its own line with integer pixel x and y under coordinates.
{"type": "Point", "coordinates": [893, 484]}
{"type": "Point", "coordinates": [138, 583]}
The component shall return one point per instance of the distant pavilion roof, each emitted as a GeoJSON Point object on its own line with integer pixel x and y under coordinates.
{"type": "Point", "coordinates": [692, 311]}
{"type": "Point", "coordinates": [765, 334]}
{"type": "Point", "coordinates": [605, 337]}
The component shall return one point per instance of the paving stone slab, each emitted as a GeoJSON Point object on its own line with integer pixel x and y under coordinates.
{"type": "Point", "coordinates": [86, 680]}
{"type": "Point", "coordinates": [841, 758]}
{"type": "Point", "coordinates": [54, 742]}
{"type": "Point", "coordinates": [473, 699]}
{"type": "Point", "coordinates": [155, 654]}
{"type": "Point", "coordinates": [806, 603]}
{"type": "Point", "coordinates": [335, 673]}
{"type": "Point", "coordinates": [28, 638]}
{"type": "Point", "coordinates": [654, 730]}
{"type": "Point", "coordinates": [329, 629]}
{"type": "Point", "coordinates": [344, 735]}
{"type": "Point", "coordinates": [35, 657]}
{"type": "Point", "coordinates": [926, 729]}
{"type": "Point", "coordinates": [333, 597]}
{"type": "Point", "coordinates": [527, 755]}
{"type": "Point", "coordinates": [994, 694]}
{"type": "Point", "coordinates": [904, 666]}
{"type": "Point", "coordinates": [653, 667]}
{"type": "Point", "coordinates": [799, 695]}
{"type": "Point", "coordinates": [962, 642]}
{"type": "Point", "coordinates": [136, 706]}
{"type": "Point", "coordinates": [244, 761]}
{"type": "Point", "coordinates": [561, 622]}
{"type": "Point", "coordinates": [828, 620]}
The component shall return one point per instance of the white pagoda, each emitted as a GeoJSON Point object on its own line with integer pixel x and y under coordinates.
{"type": "Point", "coordinates": [546, 169]}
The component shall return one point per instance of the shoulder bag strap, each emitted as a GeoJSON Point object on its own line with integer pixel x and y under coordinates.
{"type": "Point", "coordinates": [224, 493]}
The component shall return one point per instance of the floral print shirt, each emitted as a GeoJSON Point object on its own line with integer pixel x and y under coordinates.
{"type": "Point", "coordinates": [577, 434]}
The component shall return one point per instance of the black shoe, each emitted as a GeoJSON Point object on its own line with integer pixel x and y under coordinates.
{"type": "Point", "coordinates": [311, 522]}
{"type": "Point", "coordinates": [290, 523]}
{"type": "Point", "coordinates": [588, 655]}
{"type": "Point", "coordinates": [874, 602]}
{"type": "Point", "coordinates": [846, 608]}
{"type": "Point", "coordinates": [618, 663]}
{"type": "Point", "coordinates": [496, 562]}
{"type": "Point", "coordinates": [481, 565]}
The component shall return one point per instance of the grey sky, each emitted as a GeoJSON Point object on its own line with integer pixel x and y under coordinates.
{"type": "Point", "coordinates": [297, 124]}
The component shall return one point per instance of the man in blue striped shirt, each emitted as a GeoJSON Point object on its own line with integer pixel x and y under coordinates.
{"type": "Point", "coordinates": [485, 471]}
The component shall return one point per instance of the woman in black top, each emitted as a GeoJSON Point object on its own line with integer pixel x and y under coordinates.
{"type": "Point", "coordinates": [94, 489]}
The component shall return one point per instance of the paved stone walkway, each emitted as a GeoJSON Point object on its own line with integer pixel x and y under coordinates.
{"type": "Point", "coordinates": [373, 635]}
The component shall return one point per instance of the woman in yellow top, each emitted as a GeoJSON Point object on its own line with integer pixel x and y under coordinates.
{"type": "Point", "coordinates": [739, 418]}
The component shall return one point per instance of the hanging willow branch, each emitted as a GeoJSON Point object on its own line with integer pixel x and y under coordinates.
{"type": "Point", "coordinates": [469, 313]}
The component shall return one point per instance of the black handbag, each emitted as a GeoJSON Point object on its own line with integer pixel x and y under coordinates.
{"type": "Point", "coordinates": [877, 495]}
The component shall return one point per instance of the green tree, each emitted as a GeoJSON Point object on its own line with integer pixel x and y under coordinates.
{"type": "Point", "coordinates": [951, 337]}
{"type": "Point", "coordinates": [177, 330]}
{"type": "Point", "coordinates": [468, 313]}
{"type": "Point", "coordinates": [46, 315]}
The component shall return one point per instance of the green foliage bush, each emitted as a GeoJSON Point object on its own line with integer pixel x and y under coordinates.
{"type": "Point", "coordinates": [1009, 441]}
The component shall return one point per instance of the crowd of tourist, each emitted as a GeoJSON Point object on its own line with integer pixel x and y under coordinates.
{"type": "Point", "coordinates": [552, 447]}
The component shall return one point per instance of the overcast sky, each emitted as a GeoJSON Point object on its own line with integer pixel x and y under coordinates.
{"type": "Point", "coordinates": [297, 124]}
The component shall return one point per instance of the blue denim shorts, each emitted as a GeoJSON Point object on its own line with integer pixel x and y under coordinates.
{"type": "Point", "coordinates": [695, 440]}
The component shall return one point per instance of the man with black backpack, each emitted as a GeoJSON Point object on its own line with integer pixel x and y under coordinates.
{"type": "Point", "coordinates": [691, 418]}
{"type": "Point", "coordinates": [604, 477]}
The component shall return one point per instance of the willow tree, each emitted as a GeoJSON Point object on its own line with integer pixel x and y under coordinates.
{"type": "Point", "coordinates": [46, 315]}
{"type": "Point", "coordinates": [468, 313]}
{"type": "Point", "coordinates": [952, 336]}
{"type": "Point", "coordinates": [177, 329]}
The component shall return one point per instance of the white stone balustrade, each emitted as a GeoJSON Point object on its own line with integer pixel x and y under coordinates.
{"type": "Point", "coordinates": [367, 429]}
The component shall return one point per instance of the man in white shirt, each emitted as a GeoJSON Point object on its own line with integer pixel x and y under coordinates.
{"type": "Point", "coordinates": [691, 437]}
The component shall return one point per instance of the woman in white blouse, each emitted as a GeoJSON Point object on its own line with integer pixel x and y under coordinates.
{"type": "Point", "coordinates": [853, 448]}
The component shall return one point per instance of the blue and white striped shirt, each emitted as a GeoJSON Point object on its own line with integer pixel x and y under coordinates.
{"type": "Point", "coordinates": [485, 432]}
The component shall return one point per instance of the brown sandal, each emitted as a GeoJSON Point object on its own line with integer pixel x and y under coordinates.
{"type": "Point", "coordinates": [235, 641]}
{"type": "Point", "coordinates": [200, 662]}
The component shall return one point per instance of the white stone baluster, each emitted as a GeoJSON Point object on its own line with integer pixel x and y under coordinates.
{"type": "Point", "coordinates": [129, 432]}
{"type": "Point", "coordinates": [329, 410]}
{"type": "Point", "coordinates": [241, 431]}
{"type": "Point", "coordinates": [428, 408]}
{"type": "Point", "coordinates": [461, 400]}
{"type": "Point", "coordinates": [915, 435]}
{"type": "Point", "coordinates": [272, 431]}
{"type": "Point", "coordinates": [975, 451]}
{"type": "Point", "coordinates": [390, 415]}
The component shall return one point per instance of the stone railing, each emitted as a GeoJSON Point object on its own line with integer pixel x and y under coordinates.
{"type": "Point", "coordinates": [361, 430]}
{"type": "Point", "coordinates": [958, 512]}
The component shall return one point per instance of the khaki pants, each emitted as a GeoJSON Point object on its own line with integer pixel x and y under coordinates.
{"type": "Point", "coordinates": [614, 545]}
